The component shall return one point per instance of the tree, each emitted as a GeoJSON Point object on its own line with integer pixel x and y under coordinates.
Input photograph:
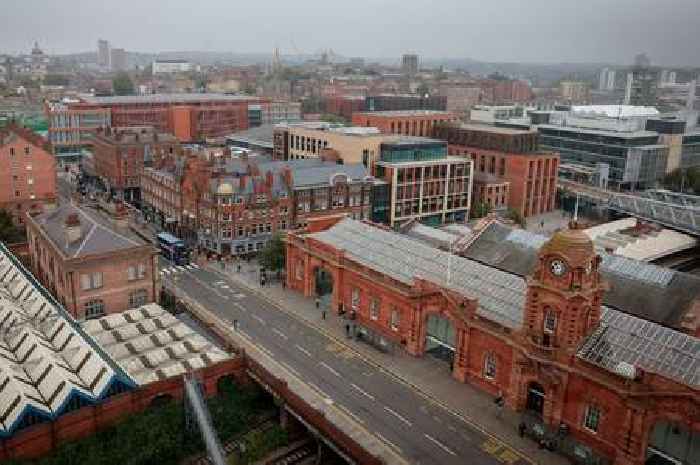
{"type": "Point", "coordinates": [9, 233]}
{"type": "Point", "coordinates": [481, 209]}
{"type": "Point", "coordinates": [122, 84]}
{"type": "Point", "coordinates": [56, 80]}
{"type": "Point", "coordinates": [273, 255]}
{"type": "Point", "coordinates": [516, 217]}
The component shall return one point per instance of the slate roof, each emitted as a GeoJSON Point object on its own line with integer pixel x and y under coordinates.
{"type": "Point", "coordinates": [647, 291]}
{"type": "Point", "coordinates": [303, 176]}
{"type": "Point", "coordinates": [95, 238]}
{"type": "Point", "coordinates": [501, 295]}
{"type": "Point", "coordinates": [47, 362]}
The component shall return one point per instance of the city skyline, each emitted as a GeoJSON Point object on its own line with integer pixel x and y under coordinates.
{"type": "Point", "coordinates": [562, 33]}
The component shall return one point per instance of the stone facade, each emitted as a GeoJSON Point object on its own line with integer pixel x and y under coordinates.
{"type": "Point", "coordinates": [587, 412]}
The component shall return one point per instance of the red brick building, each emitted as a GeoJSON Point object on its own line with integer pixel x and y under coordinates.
{"type": "Point", "coordinates": [120, 156]}
{"type": "Point", "coordinates": [28, 173]}
{"type": "Point", "coordinates": [512, 155]}
{"type": "Point", "coordinates": [92, 265]}
{"type": "Point", "coordinates": [596, 383]}
{"type": "Point", "coordinates": [407, 122]}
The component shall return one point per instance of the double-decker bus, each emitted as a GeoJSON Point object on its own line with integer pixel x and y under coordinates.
{"type": "Point", "coordinates": [173, 248]}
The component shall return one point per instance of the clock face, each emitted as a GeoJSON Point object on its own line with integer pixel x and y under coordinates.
{"type": "Point", "coordinates": [558, 267]}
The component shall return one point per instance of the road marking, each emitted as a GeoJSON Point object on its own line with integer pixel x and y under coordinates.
{"type": "Point", "coordinates": [260, 320]}
{"type": "Point", "coordinates": [362, 391]}
{"type": "Point", "coordinates": [280, 333]}
{"type": "Point", "coordinates": [181, 268]}
{"type": "Point", "coordinates": [350, 414]}
{"type": "Point", "coordinates": [189, 267]}
{"type": "Point", "coordinates": [388, 443]}
{"type": "Point", "coordinates": [237, 295]}
{"type": "Point", "coordinates": [239, 307]}
{"type": "Point", "coordinates": [318, 389]}
{"type": "Point", "coordinates": [304, 351]}
{"type": "Point", "coordinates": [439, 444]}
{"type": "Point", "coordinates": [267, 352]}
{"type": "Point", "coordinates": [165, 270]}
{"type": "Point", "coordinates": [397, 415]}
{"type": "Point", "coordinates": [194, 265]}
{"type": "Point", "coordinates": [329, 368]}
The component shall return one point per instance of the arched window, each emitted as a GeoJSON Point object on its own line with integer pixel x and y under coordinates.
{"type": "Point", "coordinates": [550, 321]}
{"type": "Point", "coordinates": [490, 365]}
{"type": "Point", "coordinates": [94, 308]}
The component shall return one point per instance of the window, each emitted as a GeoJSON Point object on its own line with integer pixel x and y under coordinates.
{"type": "Point", "coordinates": [355, 298]}
{"type": "Point", "coordinates": [490, 366]}
{"type": "Point", "coordinates": [550, 321]}
{"type": "Point", "coordinates": [591, 419]}
{"type": "Point", "coordinates": [94, 308]}
{"type": "Point", "coordinates": [138, 298]}
{"type": "Point", "coordinates": [374, 309]}
{"type": "Point", "coordinates": [26, 150]}
{"type": "Point", "coordinates": [12, 151]}
{"type": "Point", "coordinates": [30, 181]}
{"type": "Point", "coordinates": [91, 281]}
{"type": "Point", "coordinates": [137, 271]}
{"type": "Point", "coordinates": [395, 320]}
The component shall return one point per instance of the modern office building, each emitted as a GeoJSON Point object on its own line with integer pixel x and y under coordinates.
{"type": "Point", "coordinates": [575, 92]}
{"type": "Point", "coordinates": [27, 173]}
{"type": "Point", "coordinates": [425, 183]}
{"type": "Point", "coordinates": [606, 79]}
{"type": "Point", "coordinates": [641, 85]}
{"type": "Point", "coordinates": [409, 64]}
{"type": "Point", "coordinates": [391, 102]}
{"type": "Point", "coordinates": [170, 67]}
{"type": "Point", "coordinates": [103, 54]}
{"type": "Point", "coordinates": [118, 59]}
{"type": "Point", "coordinates": [512, 155]}
{"type": "Point", "coordinates": [408, 122]}
{"type": "Point", "coordinates": [636, 159]}
{"type": "Point", "coordinates": [490, 114]}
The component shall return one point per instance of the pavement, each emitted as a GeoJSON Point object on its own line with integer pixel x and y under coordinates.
{"type": "Point", "coordinates": [411, 404]}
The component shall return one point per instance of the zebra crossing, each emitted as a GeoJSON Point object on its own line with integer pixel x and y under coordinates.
{"type": "Point", "coordinates": [174, 269]}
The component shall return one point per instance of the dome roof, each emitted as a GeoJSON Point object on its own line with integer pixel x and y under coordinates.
{"type": "Point", "coordinates": [573, 244]}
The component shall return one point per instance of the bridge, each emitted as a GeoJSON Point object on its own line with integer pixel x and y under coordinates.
{"type": "Point", "coordinates": [676, 211]}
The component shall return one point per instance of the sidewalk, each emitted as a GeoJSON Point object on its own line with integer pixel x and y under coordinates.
{"type": "Point", "coordinates": [431, 377]}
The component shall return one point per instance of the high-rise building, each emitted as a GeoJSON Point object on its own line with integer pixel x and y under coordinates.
{"type": "Point", "coordinates": [575, 91]}
{"type": "Point", "coordinates": [104, 60]}
{"type": "Point", "coordinates": [409, 64]}
{"type": "Point", "coordinates": [642, 82]}
{"type": "Point", "coordinates": [118, 59]}
{"type": "Point", "coordinates": [606, 79]}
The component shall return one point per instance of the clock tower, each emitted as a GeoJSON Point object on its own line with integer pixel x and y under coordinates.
{"type": "Point", "coordinates": [564, 294]}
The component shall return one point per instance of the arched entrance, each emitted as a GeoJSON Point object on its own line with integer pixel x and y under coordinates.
{"type": "Point", "coordinates": [672, 444]}
{"type": "Point", "coordinates": [440, 338]}
{"type": "Point", "coordinates": [535, 399]}
{"type": "Point", "coordinates": [323, 281]}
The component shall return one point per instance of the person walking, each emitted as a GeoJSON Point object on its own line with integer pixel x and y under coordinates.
{"type": "Point", "coordinates": [347, 330]}
{"type": "Point", "coordinates": [318, 303]}
{"type": "Point", "coordinates": [323, 314]}
{"type": "Point", "coordinates": [500, 403]}
{"type": "Point", "coordinates": [235, 325]}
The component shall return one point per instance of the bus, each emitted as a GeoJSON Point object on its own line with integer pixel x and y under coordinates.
{"type": "Point", "coordinates": [173, 248]}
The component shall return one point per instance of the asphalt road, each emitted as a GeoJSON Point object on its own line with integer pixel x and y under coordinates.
{"type": "Point", "coordinates": [420, 431]}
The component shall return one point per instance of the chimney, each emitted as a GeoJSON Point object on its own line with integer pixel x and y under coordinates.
{"type": "Point", "coordinates": [72, 227]}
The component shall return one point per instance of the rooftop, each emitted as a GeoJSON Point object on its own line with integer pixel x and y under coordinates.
{"type": "Point", "coordinates": [600, 132]}
{"type": "Point", "coordinates": [166, 98]}
{"type": "Point", "coordinates": [614, 111]}
{"type": "Point", "coordinates": [47, 362]}
{"type": "Point", "coordinates": [151, 344]}
{"type": "Point", "coordinates": [96, 234]}
{"type": "Point", "coordinates": [411, 140]}
{"type": "Point", "coordinates": [496, 129]}
{"type": "Point", "coordinates": [261, 135]}
{"type": "Point", "coordinates": [404, 113]}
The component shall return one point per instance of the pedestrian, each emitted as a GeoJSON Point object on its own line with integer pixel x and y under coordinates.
{"type": "Point", "coordinates": [238, 268]}
{"type": "Point", "coordinates": [347, 330]}
{"type": "Point", "coordinates": [522, 428]}
{"type": "Point", "coordinates": [500, 403]}
{"type": "Point", "coordinates": [262, 281]}
{"type": "Point", "coordinates": [235, 325]}
{"type": "Point", "coordinates": [542, 224]}
{"type": "Point", "coordinates": [323, 315]}
{"type": "Point", "coordinates": [284, 284]}
{"type": "Point", "coordinates": [318, 303]}
{"type": "Point", "coordinates": [341, 309]}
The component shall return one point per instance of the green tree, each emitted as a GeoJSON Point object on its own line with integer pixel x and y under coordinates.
{"type": "Point", "coordinates": [516, 217]}
{"type": "Point", "coordinates": [273, 255]}
{"type": "Point", "coordinates": [122, 84]}
{"type": "Point", "coordinates": [481, 209]}
{"type": "Point", "coordinates": [9, 233]}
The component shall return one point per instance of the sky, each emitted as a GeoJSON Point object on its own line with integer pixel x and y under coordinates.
{"type": "Point", "coordinates": [548, 31]}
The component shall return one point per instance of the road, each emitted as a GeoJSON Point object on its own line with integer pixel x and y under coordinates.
{"type": "Point", "coordinates": [420, 431]}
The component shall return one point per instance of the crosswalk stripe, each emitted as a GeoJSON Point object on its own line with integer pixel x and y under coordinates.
{"type": "Point", "coordinates": [194, 265]}
{"type": "Point", "coordinates": [165, 271]}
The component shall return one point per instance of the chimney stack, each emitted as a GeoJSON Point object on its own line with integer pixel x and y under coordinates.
{"type": "Point", "coordinates": [72, 227]}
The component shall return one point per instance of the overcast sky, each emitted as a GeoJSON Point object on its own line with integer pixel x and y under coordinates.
{"type": "Point", "coordinates": [490, 30]}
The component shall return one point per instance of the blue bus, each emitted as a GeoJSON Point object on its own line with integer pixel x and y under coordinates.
{"type": "Point", "coordinates": [173, 248]}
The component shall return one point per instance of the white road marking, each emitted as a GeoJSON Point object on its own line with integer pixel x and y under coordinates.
{"type": "Point", "coordinates": [329, 368]}
{"type": "Point", "coordinates": [237, 295]}
{"type": "Point", "coordinates": [260, 320]}
{"type": "Point", "coordinates": [165, 270]}
{"type": "Point", "coordinates": [304, 351]}
{"type": "Point", "coordinates": [319, 390]}
{"type": "Point", "coordinates": [399, 416]}
{"type": "Point", "coordinates": [388, 443]}
{"type": "Point", "coordinates": [439, 444]}
{"type": "Point", "coordinates": [224, 286]}
{"type": "Point", "coordinates": [181, 268]}
{"type": "Point", "coordinates": [362, 391]}
{"type": "Point", "coordinates": [280, 333]}
{"type": "Point", "coordinates": [194, 265]}
{"type": "Point", "coordinates": [350, 414]}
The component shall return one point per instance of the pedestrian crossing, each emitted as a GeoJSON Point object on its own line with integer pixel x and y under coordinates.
{"type": "Point", "coordinates": [174, 269]}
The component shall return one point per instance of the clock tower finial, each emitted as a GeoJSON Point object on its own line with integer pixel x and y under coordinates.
{"type": "Point", "coordinates": [564, 292]}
